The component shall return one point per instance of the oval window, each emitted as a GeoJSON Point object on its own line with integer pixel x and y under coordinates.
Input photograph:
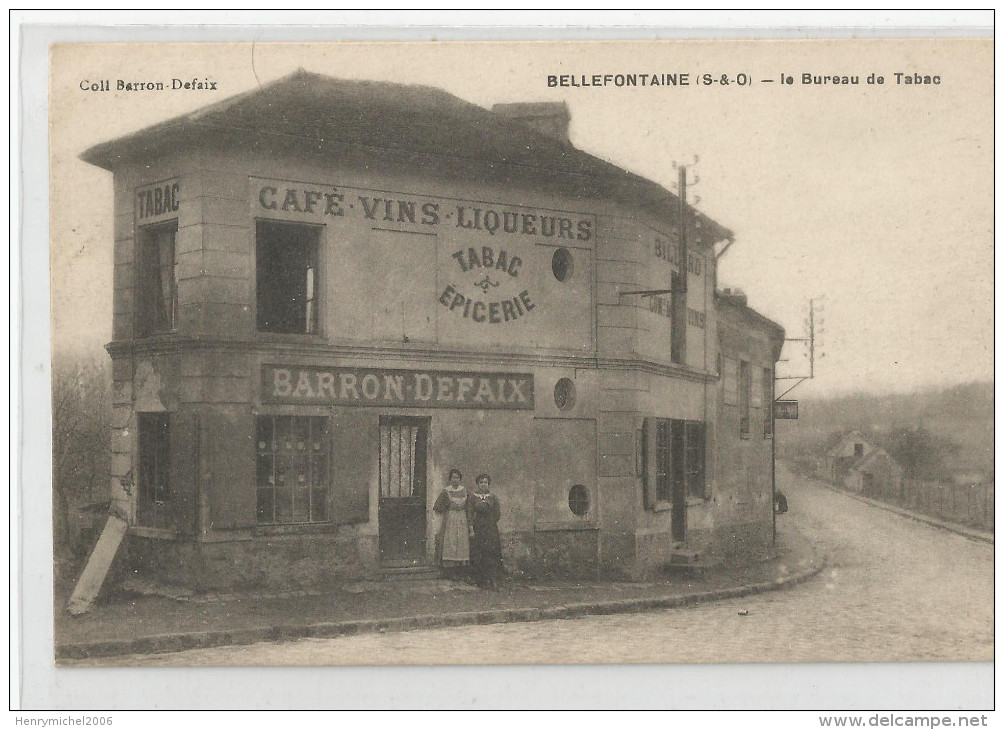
{"type": "Point", "coordinates": [564, 394]}
{"type": "Point", "coordinates": [578, 499]}
{"type": "Point", "coordinates": [561, 264]}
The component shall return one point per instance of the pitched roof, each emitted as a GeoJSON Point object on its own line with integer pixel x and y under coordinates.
{"type": "Point", "coordinates": [849, 436]}
{"type": "Point", "coordinates": [325, 114]}
{"type": "Point", "coordinates": [875, 453]}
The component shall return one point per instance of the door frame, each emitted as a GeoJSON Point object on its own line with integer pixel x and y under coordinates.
{"type": "Point", "coordinates": [414, 507]}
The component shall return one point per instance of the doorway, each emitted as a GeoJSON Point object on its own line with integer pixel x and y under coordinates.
{"type": "Point", "coordinates": [403, 458]}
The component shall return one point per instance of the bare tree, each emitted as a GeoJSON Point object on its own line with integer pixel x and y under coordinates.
{"type": "Point", "coordinates": [80, 443]}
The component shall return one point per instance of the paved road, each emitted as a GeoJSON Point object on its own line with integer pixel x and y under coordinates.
{"type": "Point", "coordinates": [893, 590]}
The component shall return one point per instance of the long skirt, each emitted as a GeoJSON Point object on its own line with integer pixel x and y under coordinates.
{"type": "Point", "coordinates": [486, 558]}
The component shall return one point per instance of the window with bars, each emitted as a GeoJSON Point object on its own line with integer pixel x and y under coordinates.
{"type": "Point", "coordinates": [154, 504]}
{"type": "Point", "coordinates": [287, 281]}
{"type": "Point", "coordinates": [292, 465]}
{"type": "Point", "coordinates": [158, 279]}
{"type": "Point", "coordinates": [402, 458]}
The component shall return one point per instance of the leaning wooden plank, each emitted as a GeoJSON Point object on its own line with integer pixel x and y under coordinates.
{"type": "Point", "coordinates": [98, 564]}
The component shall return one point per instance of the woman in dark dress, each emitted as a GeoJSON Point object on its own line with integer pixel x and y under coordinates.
{"type": "Point", "coordinates": [486, 545]}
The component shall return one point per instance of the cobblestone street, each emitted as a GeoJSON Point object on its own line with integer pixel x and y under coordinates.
{"type": "Point", "coordinates": [893, 590]}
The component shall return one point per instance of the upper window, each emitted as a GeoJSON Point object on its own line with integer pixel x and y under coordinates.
{"type": "Point", "coordinates": [158, 279]}
{"type": "Point", "coordinates": [287, 285]}
{"type": "Point", "coordinates": [744, 398]}
{"type": "Point", "coordinates": [561, 264]}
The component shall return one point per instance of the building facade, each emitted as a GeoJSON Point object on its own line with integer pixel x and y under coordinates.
{"type": "Point", "coordinates": [327, 294]}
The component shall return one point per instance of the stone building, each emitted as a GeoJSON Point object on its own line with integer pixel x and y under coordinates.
{"type": "Point", "coordinates": [329, 293]}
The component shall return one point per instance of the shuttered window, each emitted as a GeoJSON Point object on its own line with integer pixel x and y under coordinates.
{"type": "Point", "coordinates": [744, 399]}
{"type": "Point", "coordinates": [673, 454]}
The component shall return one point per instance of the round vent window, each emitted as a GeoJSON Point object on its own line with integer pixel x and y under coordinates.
{"type": "Point", "coordinates": [564, 394]}
{"type": "Point", "coordinates": [578, 499]}
{"type": "Point", "coordinates": [561, 264]}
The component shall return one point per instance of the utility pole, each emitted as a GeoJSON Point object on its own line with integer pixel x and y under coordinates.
{"type": "Point", "coordinates": [811, 341]}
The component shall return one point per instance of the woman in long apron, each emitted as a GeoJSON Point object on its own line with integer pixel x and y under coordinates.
{"type": "Point", "coordinates": [454, 534]}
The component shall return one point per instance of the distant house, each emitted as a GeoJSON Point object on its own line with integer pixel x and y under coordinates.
{"type": "Point", "coordinates": [874, 474]}
{"type": "Point", "coordinates": [840, 457]}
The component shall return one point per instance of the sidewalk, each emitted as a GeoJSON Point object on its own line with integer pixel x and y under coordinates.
{"type": "Point", "coordinates": [152, 624]}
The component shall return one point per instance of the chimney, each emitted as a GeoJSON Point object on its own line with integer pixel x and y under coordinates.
{"type": "Point", "coordinates": [547, 117]}
{"type": "Point", "coordinates": [733, 296]}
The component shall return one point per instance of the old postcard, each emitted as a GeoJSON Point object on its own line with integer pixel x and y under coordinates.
{"type": "Point", "coordinates": [525, 352]}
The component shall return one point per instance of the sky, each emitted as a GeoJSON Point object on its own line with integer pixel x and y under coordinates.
{"type": "Point", "coordinates": [874, 200]}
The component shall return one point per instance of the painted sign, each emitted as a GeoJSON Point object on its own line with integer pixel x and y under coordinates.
{"type": "Point", "coordinates": [399, 388]}
{"type": "Point", "coordinates": [158, 202]}
{"type": "Point", "coordinates": [325, 201]}
{"type": "Point", "coordinates": [486, 268]}
{"type": "Point", "coordinates": [786, 410]}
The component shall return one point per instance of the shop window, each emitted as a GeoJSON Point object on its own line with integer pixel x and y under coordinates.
{"type": "Point", "coordinates": [292, 469]}
{"type": "Point", "coordinates": [154, 503]}
{"type": "Point", "coordinates": [564, 394]}
{"type": "Point", "coordinates": [158, 279]}
{"type": "Point", "coordinates": [578, 500]}
{"type": "Point", "coordinates": [768, 403]}
{"type": "Point", "coordinates": [562, 264]}
{"type": "Point", "coordinates": [287, 277]}
{"type": "Point", "coordinates": [744, 399]}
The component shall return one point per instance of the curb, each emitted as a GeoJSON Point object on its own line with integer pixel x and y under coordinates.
{"type": "Point", "coordinates": [966, 532]}
{"type": "Point", "coordinates": [162, 643]}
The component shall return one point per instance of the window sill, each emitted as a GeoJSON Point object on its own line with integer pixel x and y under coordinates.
{"type": "Point", "coordinates": [160, 335]}
{"type": "Point", "coordinates": [662, 506]}
{"type": "Point", "coordinates": [299, 528]}
{"type": "Point", "coordinates": [565, 526]}
{"type": "Point", "coordinates": [161, 533]}
{"type": "Point", "coordinates": [264, 336]}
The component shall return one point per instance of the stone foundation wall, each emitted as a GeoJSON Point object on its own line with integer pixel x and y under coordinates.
{"type": "Point", "coordinates": [566, 554]}
{"type": "Point", "coordinates": [282, 562]}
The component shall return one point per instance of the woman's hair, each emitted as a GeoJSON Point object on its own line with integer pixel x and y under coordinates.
{"type": "Point", "coordinates": [455, 471]}
{"type": "Point", "coordinates": [483, 476]}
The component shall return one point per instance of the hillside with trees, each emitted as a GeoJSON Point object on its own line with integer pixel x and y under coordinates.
{"type": "Point", "coordinates": [934, 433]}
